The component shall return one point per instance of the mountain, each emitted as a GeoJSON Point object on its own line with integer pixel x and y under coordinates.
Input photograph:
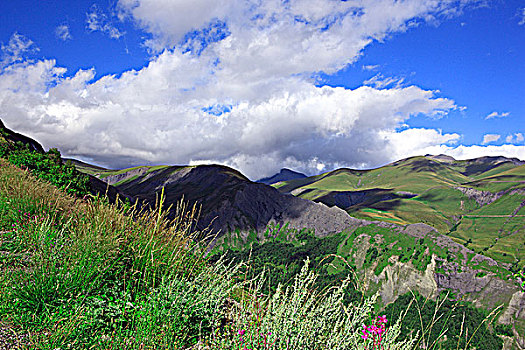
{"type": "Point", "coordinates": [283, 175]}
{"type": "Point", "coordinates": [10, 138]}
{"type": "Point", "coordinates": [228, 200]}
{"type": "Point", "coordinates": [477, 202]}
{"type": "Point", "coordinates": [428, 224]}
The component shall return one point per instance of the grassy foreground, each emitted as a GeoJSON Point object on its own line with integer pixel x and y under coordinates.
{"type": "Point", "coordinates": [84, 274]}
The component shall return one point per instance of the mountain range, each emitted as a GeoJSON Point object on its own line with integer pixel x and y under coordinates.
{"type": "Point", "coordinates": [427, 223]}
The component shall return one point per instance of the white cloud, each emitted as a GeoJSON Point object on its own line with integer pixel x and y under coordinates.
{"type": "Point", "coordinates": [380, 82]}
{"type": "Point", "coordinates": [16, 49]}
{"type": "Point", "coordinates": [62, 32]}
{"type": "Point", "coordinates": [475, 151]}
{"type": "Point", "coordinates": [521, 16]}
{"type": "Point", "coordinates": [152, 116]}
{"type": "Point", "coordinates": [489, 138]}
{"type": "Point", "coordinates": [371, 67]}
{"type": "Point", "coordinates": [517, 137]}
{"type": "Point", "coordinates": [97, 20]}
{"type": "Point", "coordinates": [497, 115]}
{"type": "Point", "coordinates": [255, 67]}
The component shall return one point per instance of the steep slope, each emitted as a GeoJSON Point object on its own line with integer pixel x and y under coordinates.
{"type": "Point", "coordinates": [10, 138]}
{"type": "Point", "coordinates": [11, 141]}
{"type": "Point", "coordinates": [283, 175]}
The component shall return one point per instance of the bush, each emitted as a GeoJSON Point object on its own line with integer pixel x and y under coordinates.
{"type": "Point", "coordinates": [49, 167]}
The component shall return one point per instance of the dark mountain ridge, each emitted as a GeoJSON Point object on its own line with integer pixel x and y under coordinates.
{"type": "Point", "coordinates": [228, 200]}
{"type": "Point", "coordinates": [283, 175]}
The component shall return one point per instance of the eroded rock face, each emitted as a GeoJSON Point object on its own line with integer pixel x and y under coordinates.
{"type": "Point", "coordinates": [113, 179]}
{"type": "Point", "coordinates": [401, 278]}
{"type": "Point", "coordinates": [516, 309]}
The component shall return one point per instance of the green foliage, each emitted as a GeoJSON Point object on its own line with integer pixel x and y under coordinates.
{"type": "Point", "coordinates": [282, 261]}
{"type": "Point", "coordinates": [48, 167]}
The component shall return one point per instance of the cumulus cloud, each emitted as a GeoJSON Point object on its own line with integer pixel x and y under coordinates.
{"type": "Point", "coordinates": [97, 20]}
{"type": "Point", "coordinates": [62, 32]}
{"type": "Point", "coordinates": [497, 115]}
{"type": "Point", "coordinates": [489, 138]}
{"type": "Point", "coordinates": [232, 84]}
{"type": "Point", "coordinates": [152, 116]}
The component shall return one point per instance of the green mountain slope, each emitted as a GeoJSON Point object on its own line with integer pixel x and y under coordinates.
{"type": "Point", "coordinates": [479, 201]}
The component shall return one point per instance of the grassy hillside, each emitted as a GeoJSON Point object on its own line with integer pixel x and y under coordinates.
{"type": "Point", "coordinates": [84, 274]}
{"type": "Point", "coordinates": [478, 201]}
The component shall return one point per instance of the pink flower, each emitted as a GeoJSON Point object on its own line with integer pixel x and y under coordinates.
{"type": "Point", "coordinates": [382, 319]}
{"type": "Point", "coordinates": [241, 332]}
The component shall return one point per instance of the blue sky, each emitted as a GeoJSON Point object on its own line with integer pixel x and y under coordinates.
{"type": "Point", "coordinates": [309, 85]}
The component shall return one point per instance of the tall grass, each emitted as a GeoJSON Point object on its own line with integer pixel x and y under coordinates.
{"type": "Point", "coordinates": [85, 274]}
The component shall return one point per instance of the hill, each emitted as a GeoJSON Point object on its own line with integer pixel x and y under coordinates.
{"type": "Point", "coordinates": [28, 153]}
{"type": "Point", "coordinates": [478, 202]}
{"type": "Point", "coordinates": [228, 200]}
{"type": "Point", "coordinates": [389, 258]}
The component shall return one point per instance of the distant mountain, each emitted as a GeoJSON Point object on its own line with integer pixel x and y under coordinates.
{"type": "Point", "coordinates": [283, 175]}
{"type": "Point", "coordinates": [479, 202]}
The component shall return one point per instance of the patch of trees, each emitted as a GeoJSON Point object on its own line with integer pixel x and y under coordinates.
{"type": "Point", "coordinates": [283, 260]}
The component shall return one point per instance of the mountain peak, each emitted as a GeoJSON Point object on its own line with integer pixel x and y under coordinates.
{"type": "Point", "coordinates": [283, 175]}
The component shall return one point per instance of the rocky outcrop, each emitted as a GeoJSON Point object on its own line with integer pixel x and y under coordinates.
{"type": "Point", "coordinates": [481, 197]}
{"type": "Point", "coordinates": [401, 278]}
{"type": "Point", "coordinates": [114, 179]}
{"type": "Point", "coordinates": [515, 310]}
